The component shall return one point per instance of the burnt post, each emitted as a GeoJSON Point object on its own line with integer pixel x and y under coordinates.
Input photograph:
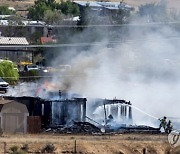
{"type": "Point", "coordinates": [121, 110]}
{"type": "Point", "coordinates": [105, 115]}
{"type": "Point", "coordinates": [130, 113]}
{"type": "Point", "coordinates": [5, 144]}
{"type": "Point", "coordinates": [75, 147]}
{"type": "Point", "coordinates": [144, 150]}
{"type": "Point", "coordinates": [60, 94]}
{"type": "Point", "coordinates": [84, 110]}
{"type": "Point", "coordinates": [125, 111]}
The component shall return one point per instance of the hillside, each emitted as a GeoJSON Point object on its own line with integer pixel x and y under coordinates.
{"type": "Point", "coordinates": [23, 4]}
{"type": "Point", "coordinates": [170, 3]}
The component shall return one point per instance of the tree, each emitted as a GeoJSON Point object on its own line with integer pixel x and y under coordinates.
{"type": "Point", "coordinates": [35, 37]}
{"type": "Point", "coordinates": [84, 13]}
{"type": "Point", "coordinates": [5, 11]}
{"type": "Point", "coordinates": [43, 9]}
{"type": "Point", "coordinates": [153, 12]}
{"type": "Point", "coordinates": [17, 20]}
{"type": "Point", "coordinates": [69, 8]}
{"type": "Point", "coordinates": [37, 11]}
{"type": "Point", "coordinates": [121, 16]}
{"type": "Point", "coordinates": [8, 71]}
{"type": "Point", "coordinates": [52, 17]}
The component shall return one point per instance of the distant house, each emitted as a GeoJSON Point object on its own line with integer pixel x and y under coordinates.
{"type": "Point", "coordinates": [13, 41]}
{"type": "Point", "coordinates": [48, 40]}
{"type": "Point", "coordinates": [9, 48]}
{"type": "Point", "coordinates": [104, 8]}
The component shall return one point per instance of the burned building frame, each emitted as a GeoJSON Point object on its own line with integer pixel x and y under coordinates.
{"type": "Point", "coordinates": [54, 112]}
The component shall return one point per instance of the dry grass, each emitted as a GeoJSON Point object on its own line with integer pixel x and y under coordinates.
{"type": "Point", "coordinates": [114, 144]}
{"type": "Point", "coordinates": [19, 4]}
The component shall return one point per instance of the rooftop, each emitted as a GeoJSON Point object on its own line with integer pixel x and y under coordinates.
{"type": "Point", "coordinates": [45, 40]}
{"type": "Point", "coordinates": [13, 41]}
{"type": "Point", "coordinates": [108, 5]}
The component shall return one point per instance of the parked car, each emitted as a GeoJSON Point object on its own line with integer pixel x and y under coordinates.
{"type": "Point", "coordinates": [30, 67]}
{"type": "Point", "coordinates": [3, 85]}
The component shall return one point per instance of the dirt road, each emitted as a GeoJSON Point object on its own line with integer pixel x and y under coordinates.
{"type": "Point", "coordinates": [91, 144]}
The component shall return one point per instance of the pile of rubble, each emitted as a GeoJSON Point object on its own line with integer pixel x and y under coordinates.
{"type": "Point", "coordinates": [76, 127]}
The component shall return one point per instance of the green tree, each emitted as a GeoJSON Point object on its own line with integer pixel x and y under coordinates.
{"type": "Point", "coordinates": [47, 9]}
{"type": "Point", "coordinates": [69, 8]}
{"type": "Point", "coordinates": [5, 11]}
{"type": "Point", "coordinates": [52, 17]}
{"type": "Point", "coordinates": [8, 71]}
{"type": "Point", "coordinates": [37, 11]}
{"type": "Point", "coordinates": [35, 37]}
{"type": "Point", "coordinates": [17, 20]}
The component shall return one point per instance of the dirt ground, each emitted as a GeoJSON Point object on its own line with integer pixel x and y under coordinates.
{"type": "Point", "coordinates": [91, 144]}
{"type": "Point", "coordinates": [17, 4]}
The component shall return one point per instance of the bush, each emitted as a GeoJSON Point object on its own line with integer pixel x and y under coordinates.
{"type": "Point", "coordinates": [8, 71]}
{"type": "Point", "coordinates": [15, 150]}
{"type": "Point", "coordinates": [49, 148]}
{"type": "Point", "coordinates": [5, 11]}
{"type": "Point", "coordinates": [25, 148]}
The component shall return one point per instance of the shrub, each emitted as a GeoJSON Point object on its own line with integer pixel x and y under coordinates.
{"type": "Point", "coordinates": [49, 148]}
{"type": "Point", "coordinates": [8, 71]}
{"type": "Point", "coordinates": [25, 148]}
{"type": "Point", "coordinates": [15, 150]}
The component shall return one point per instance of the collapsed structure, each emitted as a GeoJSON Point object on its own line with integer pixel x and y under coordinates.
{"type": "Point", "coordinates": [77, 115]}
{"type": "Point", "coordinates": [118, 109]}
{"type": "Point", "coordinates": [66, 111]}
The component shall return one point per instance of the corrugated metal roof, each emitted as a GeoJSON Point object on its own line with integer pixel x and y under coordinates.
{"type": "Point", "coordinates": [13, 41]}
{"type": "Point", "coordinates": [108, 5]}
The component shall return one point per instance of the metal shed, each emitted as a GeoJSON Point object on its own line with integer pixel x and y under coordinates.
{"type": "Point", "coordinates": [13, 116]}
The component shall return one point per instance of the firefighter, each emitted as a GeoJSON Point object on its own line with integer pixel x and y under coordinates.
{"type": "Point", "coordinates": [110, 119]}
{"type": "Point", "coordinates": [163, 123]}
{"type": "Point", "coordinates": [169, 127]}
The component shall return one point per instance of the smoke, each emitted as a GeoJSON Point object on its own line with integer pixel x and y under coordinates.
{"type": "Point", "coordinates": [141, 64]}
{"type": "Point", "coordinates": [143, 69]}
{"type": "Point", "coordinates": [24, 89]}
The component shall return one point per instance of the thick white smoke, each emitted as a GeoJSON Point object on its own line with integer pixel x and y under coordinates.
{"type": "Point", "coordinates": [144, 71]}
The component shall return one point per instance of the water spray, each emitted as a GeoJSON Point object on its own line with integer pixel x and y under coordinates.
{"type": "Point", "coordinates": [142, 111]}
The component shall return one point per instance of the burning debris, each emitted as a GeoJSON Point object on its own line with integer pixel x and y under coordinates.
{"type": "Point", "coordinates": [62, 112]}
{"type": "Point", "coordinates": [76, 127]}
